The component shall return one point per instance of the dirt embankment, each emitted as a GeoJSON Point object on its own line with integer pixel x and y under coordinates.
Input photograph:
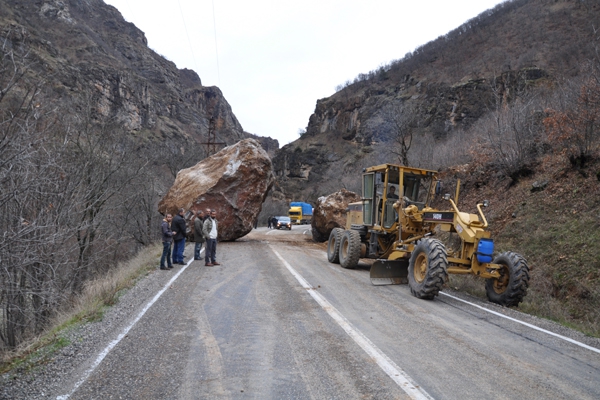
{"type": "Point", "coordinates": [552, 218]}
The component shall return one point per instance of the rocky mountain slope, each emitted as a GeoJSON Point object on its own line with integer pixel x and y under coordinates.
{"type": "Point", "coordinates": [94, 127]}
{"type": "Point", "coordinates": [85, 52]}
{"type": "Point", "coordinates": [509, 103]}
{"type": "Point", "coordinates": [450, 84]}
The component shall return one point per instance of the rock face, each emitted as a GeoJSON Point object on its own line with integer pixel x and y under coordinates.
{"type": "Point", "coordinates": [352, 127]}
{"type": "Point", "coordinates": [330, 212]}
{"type": "Point", "coordinates": [88, 54]}
{"type": "Point", "coordinates": [234, 182]}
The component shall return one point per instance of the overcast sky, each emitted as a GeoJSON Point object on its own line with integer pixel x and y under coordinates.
{"type": "Point", "coordinates": [273, 59]}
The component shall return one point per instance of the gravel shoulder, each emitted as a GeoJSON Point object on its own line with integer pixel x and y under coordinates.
{"type": "Point", "coordinates": [86, 342]}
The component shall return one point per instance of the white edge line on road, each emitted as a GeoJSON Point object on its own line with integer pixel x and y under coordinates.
{"type": "Point", "coordinates": [585, 346]}
{"type": "Point", "coordinates": [115, 342]}
{"type": "Point", "coordinates": [384, 362]}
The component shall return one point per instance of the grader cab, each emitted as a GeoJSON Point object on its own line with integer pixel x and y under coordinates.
{"type": "Point", "coordinates": [396, 225]}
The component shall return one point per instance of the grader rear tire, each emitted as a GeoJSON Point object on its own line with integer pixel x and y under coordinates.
{"type": "Point", "coordinates": [333, 245]}
{"type": "Point", "coordinates": [427, 269]}
{"type": "Point", "coordinates": [511, 287]}
{"type": "Point", "coordinates": [350, 249]}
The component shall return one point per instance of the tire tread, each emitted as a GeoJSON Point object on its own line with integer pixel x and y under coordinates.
{"type": "Point", "coordinates": [518, 280]}
{"type": "Point", "coordinates": [353, 239]}
{"type": "Point", "coordinates": [333, 245]}
{"type": "Point", "coordinates": [437, 273]}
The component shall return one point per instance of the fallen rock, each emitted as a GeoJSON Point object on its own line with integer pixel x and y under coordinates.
{"type": "Point", "coordinates": [330, 212]}
{"type": "Point", "coordinates": [234, 182]}
{"type": "Point", "coordinates": [539, 186]}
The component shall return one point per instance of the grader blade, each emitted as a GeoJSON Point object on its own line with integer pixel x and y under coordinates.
{"type": "Point", "coordinates": [389, 272]}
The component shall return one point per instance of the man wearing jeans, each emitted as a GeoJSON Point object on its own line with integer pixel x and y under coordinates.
{"type": "Point", "coordinates": [179, 227]}
{"type": "Point", "coordinates": [210, 235]}
{"type": "Point", "coordinates": [167, 238]}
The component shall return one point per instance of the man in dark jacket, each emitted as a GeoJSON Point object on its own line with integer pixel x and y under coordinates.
{"type": "Point", "coordinates": [167, 238]}
{"type": "Point", "coordinates": [179, 226]}
{"type": "Point", "coordinates": [198, 236]}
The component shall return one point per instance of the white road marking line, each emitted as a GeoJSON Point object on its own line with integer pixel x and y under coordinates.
{"type": "Point", "coordinates": [585, 346]}
{"type": "Point", "coordinates": [115, 342]}
{"type": "Point", "coordinates": [384, 362]}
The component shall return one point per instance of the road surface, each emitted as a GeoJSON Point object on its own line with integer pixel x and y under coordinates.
{"type": "Point", "coordinates": [277, 321]}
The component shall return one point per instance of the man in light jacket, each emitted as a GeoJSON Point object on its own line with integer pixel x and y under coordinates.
{"type": "Point", "coordinates": [198, 235]}
{"type": "Point", "coordinates": [210, 235]}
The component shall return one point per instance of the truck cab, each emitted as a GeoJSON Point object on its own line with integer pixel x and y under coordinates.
{"type": "Point", "coordinates": [300, 212]}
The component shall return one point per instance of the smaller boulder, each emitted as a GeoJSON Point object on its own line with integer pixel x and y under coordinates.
{"type": "Point", "coordinates": [330, 212]}
{"type": "Point", "coordinates": [539, 186]}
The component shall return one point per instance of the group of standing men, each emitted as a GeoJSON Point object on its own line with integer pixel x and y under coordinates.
{"type": "Point", "coordinates": [271, 222]}
{"type": "Point", "coordinates": [174, 230]}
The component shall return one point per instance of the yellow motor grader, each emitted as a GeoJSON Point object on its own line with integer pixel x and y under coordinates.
{"type": "Point", "coordinates": [395, 224]}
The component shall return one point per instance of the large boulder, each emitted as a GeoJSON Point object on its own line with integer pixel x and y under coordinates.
{"type": "Point", "coordinates": [234, 182]}
{"type": "Point", "coordinates": [330, 212]}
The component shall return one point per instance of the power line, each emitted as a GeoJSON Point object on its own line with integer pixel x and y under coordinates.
{"type": "Point", "coordinates": [130, 9]}
{"type": "Point", "coordinates": [216, 48]}
{"type": "Point", "coordinates": [188, 35]}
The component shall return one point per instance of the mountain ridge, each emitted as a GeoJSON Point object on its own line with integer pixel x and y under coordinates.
{"type": "Point", "coordinates": [87, 47]}
{"type": "Point", "coordinates": [517, 47]}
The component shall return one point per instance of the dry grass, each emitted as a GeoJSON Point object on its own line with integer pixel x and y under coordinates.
{"type": "Point", "coordinates": [89, 306]}
{"type": "Point", "coordinates": [557, 230]}
{"type": "Point", "coordinates": [105, 291]}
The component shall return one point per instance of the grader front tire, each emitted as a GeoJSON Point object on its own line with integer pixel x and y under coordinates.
{"type": "Point", "coordinates": [349, 249]}
{"type": "Point", "coordinates": [427, 269]}
{"type": "Point", "coordinates": [333, 245]}
{"type": "Point", "coordinates": [511, 287]}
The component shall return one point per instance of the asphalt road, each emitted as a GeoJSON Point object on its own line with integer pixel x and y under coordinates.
{"type": "Point", "coordinates": [277, 321]}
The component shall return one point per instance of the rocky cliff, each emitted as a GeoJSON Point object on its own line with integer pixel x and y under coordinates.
{"type": "Point", "coordinates": [84, 52]}
{"type": "Point", "coordinates": [449, 84]}
{"type": "Point", "coordinates": [352, 130]}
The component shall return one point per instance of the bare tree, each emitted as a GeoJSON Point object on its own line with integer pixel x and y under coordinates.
{"type": "Point", "coordinates": [510, 135]}
{"type": "Point", "coordinates": [102, 162]}
{"type": "Point", "coordinates": [176, 157]}
{"type": "Point", "coordinates": [33, 246]}
{"type": "Point", "coordinates": [77, 194]}
{"type": "Point", "coordinates": [63, 183]}
{"type": "Point", "coordinates": [574, 119]}
{"type": "Point", "coordinates": [404, 120]}
{"type": "Point", "coordinates": [140, 221]}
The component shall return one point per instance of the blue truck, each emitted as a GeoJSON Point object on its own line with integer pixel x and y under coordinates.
{"type": "Point", "coordinates": [300, 212]}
